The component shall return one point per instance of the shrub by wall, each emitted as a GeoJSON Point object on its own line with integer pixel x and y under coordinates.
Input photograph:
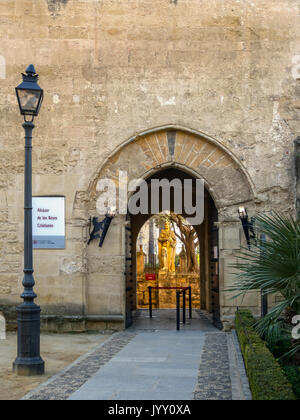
{"type": "Point", "coordinates": [266, 377]}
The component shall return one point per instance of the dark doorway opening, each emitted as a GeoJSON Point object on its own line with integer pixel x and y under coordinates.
{"type": "Point", "coordinates": [209, 250]}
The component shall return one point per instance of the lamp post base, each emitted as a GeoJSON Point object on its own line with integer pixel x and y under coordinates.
{"type": "Point", "coordinates": [29, 361]}
{"type": "Point", "coordinates": [29, 367]}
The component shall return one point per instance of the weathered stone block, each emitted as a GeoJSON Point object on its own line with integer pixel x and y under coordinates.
{"type": "Point", "coordinates": [230, 238]}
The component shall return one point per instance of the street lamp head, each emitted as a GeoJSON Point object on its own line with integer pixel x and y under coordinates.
{"type": "Point", "coordinates": [29, 94]}
{"type": "Point", "coordinates": [243, 213]}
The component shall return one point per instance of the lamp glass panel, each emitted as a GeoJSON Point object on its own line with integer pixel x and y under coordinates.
{"type": "Point", "coordinates": [242, 212]}
{"type": "Point", "coordinates": [29, 100]}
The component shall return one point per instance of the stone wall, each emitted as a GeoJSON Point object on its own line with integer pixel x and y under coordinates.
{"type": "Point", "coordinates": [112, 69]}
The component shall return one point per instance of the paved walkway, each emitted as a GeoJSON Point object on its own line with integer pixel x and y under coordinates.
{"type": "Point", "coordinates": [153, 361]}
{"type": "Point", "coordinates": [158, 366]}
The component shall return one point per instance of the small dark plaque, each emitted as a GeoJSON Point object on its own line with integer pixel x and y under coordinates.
{"type": "Point", "coordinates": [171, 142]}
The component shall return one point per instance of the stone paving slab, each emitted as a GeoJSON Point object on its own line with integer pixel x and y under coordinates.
{"type": "Point", "coordinates": [160, 374]}
{"type": "Point", "coordinates": [241, 380]}
{"type": "Point", "coordinates": [165, 319]}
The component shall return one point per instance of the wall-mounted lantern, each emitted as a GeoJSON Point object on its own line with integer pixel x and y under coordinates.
{"type": "Point", "coordinates": [100, 229]}
{"type": "Point", "coordinates": [248, 225]}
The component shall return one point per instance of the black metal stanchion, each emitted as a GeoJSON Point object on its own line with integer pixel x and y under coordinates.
{"type": "Point", "coordinates": [183, 305]}
{"type": "Point", "coordinates": [178, 310]}
{"type": "Point", "coordinates": [150, 301]}
{"type": "Point", "coordinates": [264, 297]}
{"type": "Point", "coordinates": [190, 303]}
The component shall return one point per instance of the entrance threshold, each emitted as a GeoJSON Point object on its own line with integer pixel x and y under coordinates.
{"type": "Point", "coordinates": [165, 319]}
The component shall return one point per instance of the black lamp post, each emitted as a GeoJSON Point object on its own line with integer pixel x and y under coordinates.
{"type": "Point", "coordinates": [29, 362]}
{"type": "Point", "coordinates": [264, 297]}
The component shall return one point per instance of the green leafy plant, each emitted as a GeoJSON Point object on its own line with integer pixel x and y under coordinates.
{"type": "Point", "coordinates": [274, 267]}
{"type": "Point", "coordinates": [266, 377]}
{"type": "Point", "coordinates": [293, 375]}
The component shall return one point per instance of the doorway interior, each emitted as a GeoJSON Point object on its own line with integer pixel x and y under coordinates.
{"type": "Point", "coordinates": [207, 233]}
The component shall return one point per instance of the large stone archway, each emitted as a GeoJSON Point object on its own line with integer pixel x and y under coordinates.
{"type": "Point", "coordinates": [227, 182]}
{"type": "Point", "coordinates": [226, 178]}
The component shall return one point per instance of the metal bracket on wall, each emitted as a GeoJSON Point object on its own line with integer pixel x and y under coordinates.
{"type": "Point", "coordinates": [102, 226]}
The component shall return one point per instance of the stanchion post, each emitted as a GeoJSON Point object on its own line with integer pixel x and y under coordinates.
{"type": "Point", "coordinates": [190, 303]}
{"type": "Point", "coordinates": [183, 305]}
{"type": "Point", "coordinates": [150, 301]}
{"type": "Point", "coordinates": [178, 310]}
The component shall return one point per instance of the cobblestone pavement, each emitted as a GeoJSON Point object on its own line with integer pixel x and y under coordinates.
{"type": "Point", "coordinates": [146, 362]}
{"type": "Point", "coordinates": [214, 382]}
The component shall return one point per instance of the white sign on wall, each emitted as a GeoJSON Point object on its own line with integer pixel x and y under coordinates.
{"type": "Point", "coordinates": [48, 222]}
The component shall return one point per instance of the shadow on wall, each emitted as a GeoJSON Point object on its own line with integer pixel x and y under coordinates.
{"type": "Point", "coordinates": [2, 68]}
{"type": "Point", "coordinates": [55, 6]}
{"type": "Point", "coordinates": [2, 328]}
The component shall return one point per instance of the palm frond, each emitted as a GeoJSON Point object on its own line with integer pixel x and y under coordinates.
{"type": "Point", "coordinates": [294, 350]}
{"type": "Point", "coordinates": [272, 327]}
{"type": "Point", "coordinates": [272, 266]}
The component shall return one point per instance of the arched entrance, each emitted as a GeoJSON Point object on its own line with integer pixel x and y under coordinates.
{"type": "Point", "coordinates": [208, 239]}
{"type": "Point", "coordinates": [169, 151]}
